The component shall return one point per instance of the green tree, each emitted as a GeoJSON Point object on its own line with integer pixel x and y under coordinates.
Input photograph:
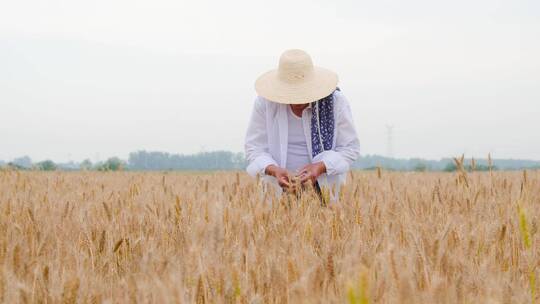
{"type": "Point", "coordinates": [86, 165]}
{"type": "Point", "coordinates": [22, 162]}
{"type": "Point", "coordinates": [420, 167]}
{"type": "Point", "coordinates": [450, 167]}
{"type": "Point", "coordinates": [112, 164]}
{"type": "Point", "coordinates": [46, 165]}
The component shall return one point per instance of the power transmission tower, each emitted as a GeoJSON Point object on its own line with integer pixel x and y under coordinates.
{"type": "Point", "coordinates": [390, 141]}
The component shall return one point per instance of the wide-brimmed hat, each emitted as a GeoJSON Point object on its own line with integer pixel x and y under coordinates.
{"type": "Point", "coordinates": [296, 81]}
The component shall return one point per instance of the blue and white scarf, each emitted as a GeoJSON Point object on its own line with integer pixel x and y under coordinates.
{"type": "Point", "coordinates": [322, 124]}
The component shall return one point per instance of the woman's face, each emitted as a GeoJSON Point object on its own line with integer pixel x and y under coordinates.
{"type": "Point", "coordinates": [299, 107]}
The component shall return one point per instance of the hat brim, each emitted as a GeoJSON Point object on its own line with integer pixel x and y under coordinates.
{"type": "Point", "coordinates": [321, 84]}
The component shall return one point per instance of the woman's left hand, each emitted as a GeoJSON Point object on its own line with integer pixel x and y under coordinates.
{"type": "Point", "coordinates": [310, 172]}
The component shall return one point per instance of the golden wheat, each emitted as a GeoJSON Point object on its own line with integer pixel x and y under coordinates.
{"type": "Point", "coordinates": [131, 237]}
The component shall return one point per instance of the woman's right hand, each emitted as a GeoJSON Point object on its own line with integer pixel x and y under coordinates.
{"type": "Point", "coordinates": [280, 174]}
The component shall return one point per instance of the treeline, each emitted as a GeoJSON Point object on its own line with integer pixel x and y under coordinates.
{"type": "Point", "coordinates": [25, 163]}
{"type": "Point", "coordinates": [141, 160]}
{"type": "Point", "coordinates": [445, 164]}
{"type": "Point", "coordinates": [217, 160]}
{"type": "Point", "coordinates": [226, 160]}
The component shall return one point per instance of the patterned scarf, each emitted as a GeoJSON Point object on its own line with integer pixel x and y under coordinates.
{"type": "Point", "coordinates": [322, 124]}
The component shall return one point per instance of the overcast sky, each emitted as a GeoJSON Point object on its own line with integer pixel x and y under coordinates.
{"type": "Point", "coordinates": [93, 79]}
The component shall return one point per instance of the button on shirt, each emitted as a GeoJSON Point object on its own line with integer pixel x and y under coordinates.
{"type": "Point", "coordinates": [297, 151]}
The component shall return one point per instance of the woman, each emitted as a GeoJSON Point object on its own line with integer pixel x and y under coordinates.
{"type": "Point", "coordinates": [301, 126]}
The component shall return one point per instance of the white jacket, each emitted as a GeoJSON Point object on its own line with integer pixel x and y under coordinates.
{"type": "Point", "coordinates": [266, 139]}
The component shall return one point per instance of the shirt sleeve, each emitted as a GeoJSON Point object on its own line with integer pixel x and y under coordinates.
{"type": "Point", "coordinates": [256, 144]}
{"type": "Point", "coordinates": [347, 147]}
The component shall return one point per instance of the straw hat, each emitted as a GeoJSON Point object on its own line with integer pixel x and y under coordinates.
{"type": "Point", "coordinates": [296, 81]}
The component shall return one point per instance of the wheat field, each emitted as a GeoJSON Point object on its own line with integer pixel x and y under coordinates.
{"type": "Point", "coordinates": [131, 237]}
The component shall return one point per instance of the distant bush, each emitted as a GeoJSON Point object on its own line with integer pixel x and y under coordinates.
{"type": "Point", "coordinates": [480, 168]}
{"type": "Point", "coordinates": [24, 162]}
{"type": "Point", "coordinates": [13, 166]}
{"type": "Point", "coordinates": [86, 165]}
{"type": "Point", "coordinates": [420, 167]}
{"type": "Point", "coordinates": [112, 164]}
{"type": "Point", "coordinates": [450, 167]}
{"type": "Point", "coordinates": [46, 165]}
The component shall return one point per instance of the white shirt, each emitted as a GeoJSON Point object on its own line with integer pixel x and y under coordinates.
{"type": "Point", "coordinates": [297, 152]}
{"type": "Point", "coordinates": [267, 139]}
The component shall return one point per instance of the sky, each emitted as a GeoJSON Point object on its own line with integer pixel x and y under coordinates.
{"type": "Point", "coordinates": [94, 79]}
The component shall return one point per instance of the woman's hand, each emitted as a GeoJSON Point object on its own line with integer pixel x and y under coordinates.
{"type": "Point", "coordinates": [280, 174]}
{"type": "Point", "coordinates": [310, 172]}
